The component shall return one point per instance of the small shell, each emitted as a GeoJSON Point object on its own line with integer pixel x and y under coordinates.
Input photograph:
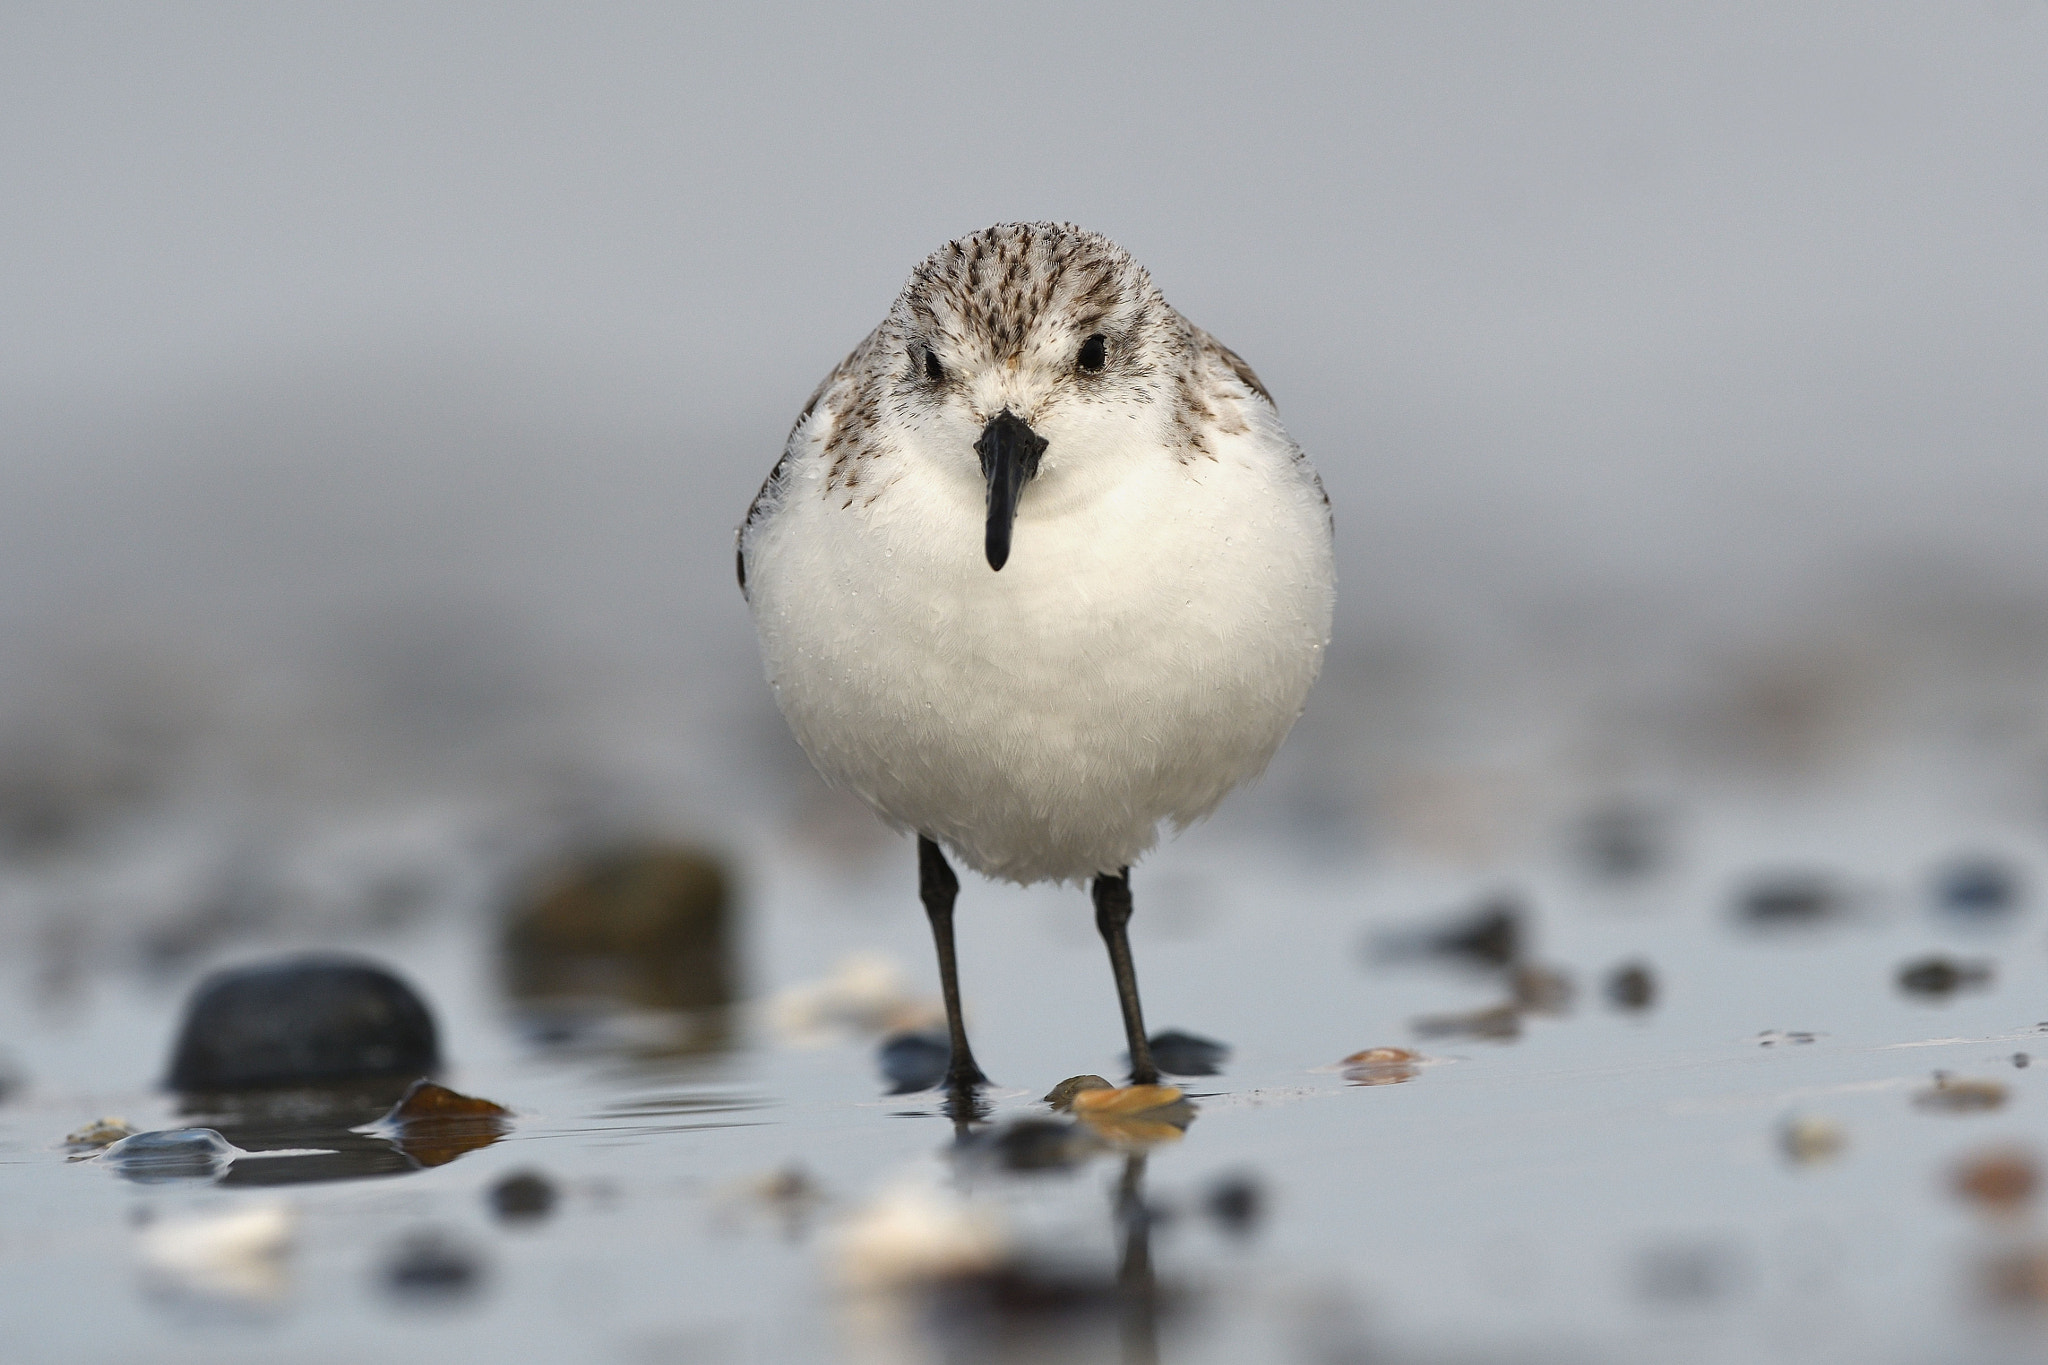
{"type": "Point", "coordinates": [1062, 1096]}
{"type": "Point", "coordinates": [2002, 1180]}
{"type": "Point", "coordinates": [1951, 1095]}
{"type": "Point", "coordinates": [99, 1133]}
{"type": "Point", "coordinates": [1131, 1099]}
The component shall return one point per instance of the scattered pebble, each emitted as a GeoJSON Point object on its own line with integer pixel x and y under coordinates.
{"type": "Point", "coordinates": [2015, 1277]}
{"type": "Point", "coordinates": [1977, 886]}
{"type": "Point", "coordinates": [1774, 1037]}
{"type": "Point", "coordinates": [645, 924]}
{"type": "Point", "coordinates": [1624, 841]}
{"type": "Point", "coordinates": [789, 1196]}
{"type": "Point", "coordinates": [242, 1255]}
{"type": "Point", "coordinates": [1382, 1066]}
{"type": "Point", "coordinates": [1943, 976]}
{"type": "Point", "coordinates": [1061, 1096]}
{"type": "Point", "coordinates": [913, 1236]}
{"type": "Point", "coordinates": [2021, 1060]}
{"type": "Point", "coordinates": [1184, 1054]}
{"type": "Point", "coordinates": [99, 1133]}
{"type": "Point", "coordinates": [432, 1125]}
{"type": "Point", "coordinates": [522, 1197]}
{"type": "Point", "coordinates": [1500, 1023]}
{"type": "Point", "coordinates": [1237, 1203]}
{"type": "Point", "coordinates": [428, 1266]}
{"type": "Point", "coordinates": [1491, 936]}
{"type": "Point", "coordinates": [429, 1102]}
{"type": "Point", "coordinates": [1792, 899]}
{"type": "Point", "coordinates": [1809, 1139]}
{"type": "Point", "coordinates": [2002, 1180]}
{"type": "Point", "coordinates": [1541, 990]}
{"type": "Point", "coordinates": [865, 995]}
{"type": "Point", "coordinates": [1033, 1144]}
{"type": "Point", "coordinates": [1954, 1095]}
{"type": "Point", "coordinates": [1631, 986]}
{"type": "Point", "coordinates": [790, 1185]}
{"type": "Point", "coordinates": [914, 1061]}
{"type": "Point", "coordinates": [791, 1193]}
{"type": "Point", "coordinates": [170, 1154]}
{"type": "Point", "coordinates": [302, 1020]}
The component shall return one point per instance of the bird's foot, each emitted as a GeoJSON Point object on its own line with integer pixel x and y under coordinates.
{"type": "Point", "coordinates": [966, 1076]}
{"type": "Point", "coordinates": [963, 1103]}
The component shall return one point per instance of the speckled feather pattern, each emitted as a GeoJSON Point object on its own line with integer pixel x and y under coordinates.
{"type": "Point", "coordinates": [1165, 606]}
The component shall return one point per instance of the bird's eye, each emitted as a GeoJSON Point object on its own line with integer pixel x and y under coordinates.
{"type": "Point", "coordinates": [1094, 354]}
{"type": "Point", "coordinates": [933, 370]}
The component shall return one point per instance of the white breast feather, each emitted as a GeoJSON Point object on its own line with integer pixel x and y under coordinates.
{"type": "Point", "coordinates": [1145, 649]}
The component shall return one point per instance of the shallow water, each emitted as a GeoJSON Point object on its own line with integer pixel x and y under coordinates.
{"type": "Point", "coordinates": [1608, 1184]}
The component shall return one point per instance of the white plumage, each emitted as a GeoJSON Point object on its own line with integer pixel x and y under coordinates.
{"type": "Point", "coordinates": [1161, 615]}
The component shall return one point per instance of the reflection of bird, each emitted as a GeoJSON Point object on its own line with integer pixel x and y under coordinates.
{"type": "Point", "coordinates": [1038, 569]}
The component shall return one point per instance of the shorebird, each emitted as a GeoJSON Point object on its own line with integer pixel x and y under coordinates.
{"type": "Point", "coordinates": [1038, 571]}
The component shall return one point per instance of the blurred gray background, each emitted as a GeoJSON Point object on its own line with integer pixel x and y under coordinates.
{"type": "Point", "coordinates": [380, 384]}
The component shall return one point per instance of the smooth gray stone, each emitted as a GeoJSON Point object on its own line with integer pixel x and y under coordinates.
{"type": "Point", "coordinates": [301, 1021]}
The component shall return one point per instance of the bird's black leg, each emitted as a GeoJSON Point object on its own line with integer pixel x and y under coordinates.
{"type": "Point", "coordinates": [1112, 914]}
{"type": "Point", "coordinates": [938, 887]}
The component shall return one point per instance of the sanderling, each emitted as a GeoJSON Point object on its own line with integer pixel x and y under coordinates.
{"type": "Point", "coordinates": [1038, 570]}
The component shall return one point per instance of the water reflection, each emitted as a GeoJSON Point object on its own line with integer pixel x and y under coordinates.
{"type": "Point", "coordinates": [1136, 1285]}
{"type": "Point", "coordinates": [1035, 1303]}
{"type": "Point", "coordinates": [341, 1132]}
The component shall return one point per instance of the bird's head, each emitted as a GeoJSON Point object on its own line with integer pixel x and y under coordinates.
{"type": "Point", "coordinates": [1034, 356]}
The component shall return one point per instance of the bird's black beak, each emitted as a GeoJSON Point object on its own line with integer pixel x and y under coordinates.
{"type": "Point", "coordinates": [1009, 451]}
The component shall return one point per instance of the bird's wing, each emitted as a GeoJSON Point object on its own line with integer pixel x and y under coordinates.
{"type": "Point", "coordinates": [766, 498]}
{"type": "Point", "coordinates": [1235, 364]}
{"type": "Point", "coordinates": [1218, 354]}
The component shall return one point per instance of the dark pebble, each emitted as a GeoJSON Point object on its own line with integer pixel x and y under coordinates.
{"type": "Point", "coordinates": [1500, 1023]}
{"type": "Point", "coordinates": [2021, 1060]}
{"type": "Point", "coordinates": [1977, 887]}
{"type": "Point", "coordinates": [645, 924]}
{"type": "Point", "coordinates": [429, 1266]}
{"type": "Point", "coordinates": [1632, 986]}
{"type": "Point", "coordinates": [1018, 1294]}
{"type": "Point", "coordinates": [1038, 1145]}
{"type": "Point", "coordinates": [1790, 899]}
{"type": "Point", "coordinates": [1623, 842]}
{"type": "Point", "coordinates": [914, 1061]}
{"type": "Point", "coordinates": [1541, 990]}
{"type": "Point", "coordinates": [1940, 976]}
{"type": "Point", "coordinates": [302, 1021]}
{"type": "Point", "coordinates": [1490, 936]}
{"type": "Point", "coordinates": [1184, 1054]}
{"type": "Point", "coordinates": [171, 1154]}
{"type": "Point", "coordinates": [1237, 1203]}
{"type": "Point", "coordinates": [1772, 1037]}
{"type": "Point", "coordinates": [523, 1197]}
